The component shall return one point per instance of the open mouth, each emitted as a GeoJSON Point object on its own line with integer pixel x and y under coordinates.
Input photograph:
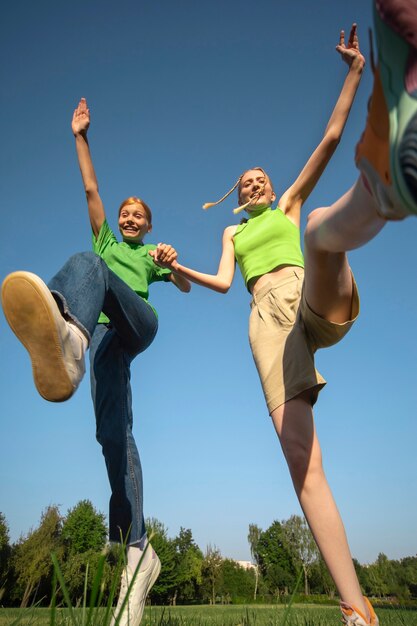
{"type": "Point", "coordinates": [255, 197]}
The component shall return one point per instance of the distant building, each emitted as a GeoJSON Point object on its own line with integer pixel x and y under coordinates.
{"type": "Point", "coordinates": [246, 564]}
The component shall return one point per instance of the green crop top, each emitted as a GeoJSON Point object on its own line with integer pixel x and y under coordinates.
{"type": "Point", "coordinates": [268, 239]}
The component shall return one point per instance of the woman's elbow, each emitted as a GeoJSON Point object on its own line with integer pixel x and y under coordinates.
{"type": "Point", "coordinates": [91, 190]}
{"type": "Point", "coordinates": [222, 287]}
{"type": "Point", "coordinates": [332, 139]}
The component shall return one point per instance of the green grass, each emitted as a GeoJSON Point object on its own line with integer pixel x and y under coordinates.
{"type": "Point", "coordinates": [215, 616]}
{"type": "Point", "coordinates": [62, 613]}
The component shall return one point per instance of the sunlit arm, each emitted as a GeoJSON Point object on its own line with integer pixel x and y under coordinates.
{"type": "Point", "coordinates": [180, 282]}
{"type": "Point", "coordinates": [80, 124]}
{"type": "Point", "coordinates": [165, 256]}
{"type": "Point", "coordinates": [293, 199]}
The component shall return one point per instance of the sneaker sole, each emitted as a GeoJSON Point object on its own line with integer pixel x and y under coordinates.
{"type": "Point", "coordinates": [393, 56]}
{"type": "Point", "coordinates": [28, 306]}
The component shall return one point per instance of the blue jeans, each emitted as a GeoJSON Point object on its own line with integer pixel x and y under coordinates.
{"type": "Point", "coordinates": [83, 288]}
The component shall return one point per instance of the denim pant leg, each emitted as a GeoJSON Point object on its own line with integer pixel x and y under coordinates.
{"type": "Point", "coordinates": [80, 289]}
{"type": "Point", "coordinates": [113, 348]}
{"type": "Point", "coordinates": [86, 286]}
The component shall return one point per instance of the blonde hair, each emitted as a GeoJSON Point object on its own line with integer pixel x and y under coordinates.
{"type": "Point", "coordinates": [135, 200]}
{"type": "Point", "coordinates": [240, 208]}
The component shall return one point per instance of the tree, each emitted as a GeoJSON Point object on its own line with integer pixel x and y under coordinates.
{"type": "Point", "coordinates": [188, 566]}
{"type": "Point", "coordinates": [164, 588]}
{"type": "Point", "coordinates": [80, 571]}
{"type": "Point", "coordinates": [299, 539]}
{"type": "Point", "coordinates": [32, 558]}
{"type": "Point", "coordinates": [84, 529]}
{"type": "Point", "coordinates": [384, 572]}
{"type": "Point", "coordinates": [320, 580]}
{"type": "Point", "coordinates": [5, 552]}
{"type": "Point", "coordinates": [84, 534]}
{"type": "Point", "coordinates": [275, 560]}
{"type": "Point", "coordinates": [408, 573]}
{"type": "Point", "coordinates": [211, 572]}
{"type": "Point", "coordinates": [253, 538]}
{"type": "Point", "coordinates": [236, 582]}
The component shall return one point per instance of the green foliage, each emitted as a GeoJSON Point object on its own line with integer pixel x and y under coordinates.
{"type": "Point", "coordinates": [32, 557]}
{"type": "Point", "coordinates": [188, 568]}
{"type": "Point", "coordinates": [254, 535]}
{"type": "Point", "coordinates": [301, 545]}
{"type": "Point", "coordinates": [5, 553]}
{"type": "Point", "coordinates": [283, 551]}
{"type": "Point", "coordinates": [84, 529]}
{"type": "Point", "coordinates": [78, 571]}
{"type": "Point", "coordinates": [211, 573]}
{"type": "Point", "coordinates": [320, 580]}
{"type": "Point", "coordinates": [164, 588]}
{"type": "Point", "coordinates": [275, 561]}
{"type": "Point", "coordinates": [95, 611]}
{"type": "Point", "coordinates": [236, 583]}
{"type": "Point", "coordinates": [408, 574]}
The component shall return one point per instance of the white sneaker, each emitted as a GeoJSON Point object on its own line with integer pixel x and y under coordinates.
{"type": "Point", "coordinates": [132, 612]}
{"type": "Point", "coordinates": [353, 617]}
{"type": "Point", "coordinates": [56, 347]}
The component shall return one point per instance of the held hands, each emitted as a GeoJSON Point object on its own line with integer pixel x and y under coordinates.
{"type": "Point", "coordinates": [164, 256]}
{"type": "Point", "coordinates": [81, 118]}
{"type": "Point", "coordinates": [350, 52]}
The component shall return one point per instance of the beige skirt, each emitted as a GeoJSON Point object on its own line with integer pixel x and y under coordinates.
{"type": "Point", "coordinates": [284, 334]}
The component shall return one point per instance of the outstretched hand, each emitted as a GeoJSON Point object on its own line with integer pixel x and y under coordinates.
{"type": "Point", "coordinates": [81, 118]}
{"type": "Point", "coordinates": [164, 255]}
{"type": "Point", "coordinates": [350, 52]}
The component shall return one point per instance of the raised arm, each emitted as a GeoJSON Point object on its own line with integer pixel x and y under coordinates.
{"type": "Point", "coordinates": [166, 256]}
{"type": "Point", "coordinates": [294, 198]}
{"type": "Point", "coordinates": [80, 124]}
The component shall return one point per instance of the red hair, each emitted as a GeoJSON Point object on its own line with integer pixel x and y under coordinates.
{"type": "Point", "coordinates": [135, 200]}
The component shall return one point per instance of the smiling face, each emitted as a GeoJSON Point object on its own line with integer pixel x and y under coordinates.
{"type": "Point", "coordinates": [255, 187]}
{"type": "Point", "coordinates": [134, 222]}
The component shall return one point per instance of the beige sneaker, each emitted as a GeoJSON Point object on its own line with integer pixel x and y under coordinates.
{"type": "Point", "coordinates": [131, 613]}
{"type": "Point", "coordinates": [353, 617]}
{"type": "Point", "coordinates": [56, 347]}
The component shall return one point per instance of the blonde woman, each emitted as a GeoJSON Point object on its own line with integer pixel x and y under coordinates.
{"type": "Point", "coordinates": [300, 304]}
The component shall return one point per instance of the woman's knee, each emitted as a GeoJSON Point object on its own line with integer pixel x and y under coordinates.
{"type": "Point", "coordinates": [304, 461]}
{"type": "Point", "coordinates": [311, 233]}
{"type": "Point", "coordinates": [86, 258]}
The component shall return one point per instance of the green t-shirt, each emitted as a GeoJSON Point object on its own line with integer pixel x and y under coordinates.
{"type": "Point", "coordinates": [129, 261]}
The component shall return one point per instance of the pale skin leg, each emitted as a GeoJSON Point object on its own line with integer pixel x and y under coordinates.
{"type": "Point", "coordinates": [330, 232]}
{"type": "Point", "coordinates": [347, 224]}
{"type": "Point", "coordinates": [294, 424]}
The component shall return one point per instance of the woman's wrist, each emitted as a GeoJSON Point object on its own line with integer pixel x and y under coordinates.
{"type": "Point", "coordinates": [357, 65]}
{"type": "Point", "coordinates": [80, 134]}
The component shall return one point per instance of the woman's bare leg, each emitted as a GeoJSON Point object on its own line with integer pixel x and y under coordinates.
{"type": "Point", "coordinates": [294, 425]}
{"type": "Point", "coordinates": [349, 223]}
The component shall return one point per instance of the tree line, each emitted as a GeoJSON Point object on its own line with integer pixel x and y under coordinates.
{"type": "Point", "coordinates": [282, 555]}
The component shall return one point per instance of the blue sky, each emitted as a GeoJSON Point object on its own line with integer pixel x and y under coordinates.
{"type": "Point", "coordinates": [184, 96]}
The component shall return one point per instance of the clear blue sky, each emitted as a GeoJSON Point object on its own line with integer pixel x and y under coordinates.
{"type": "Point", "coordinates": [184, 95]}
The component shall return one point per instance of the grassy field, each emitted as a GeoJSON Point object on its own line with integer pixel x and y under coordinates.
{"type": "Point", "coordinates": [299, 615]}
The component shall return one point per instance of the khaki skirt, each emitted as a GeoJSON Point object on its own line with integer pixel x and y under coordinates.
{"type": "Point", "coordinates": [284, 334]}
